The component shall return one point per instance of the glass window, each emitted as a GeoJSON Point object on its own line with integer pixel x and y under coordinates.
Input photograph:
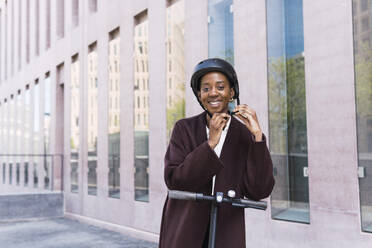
{"type": "Point", "coordinates": [60, 18]}
{"type": "Point", "coordinates": [114, 114]}
{"type": "Point", "coordinates": [2, 141]}
{"type": "Point", "coordinates": [18, 133]}
{"type": "Point", "coordinates": [25, 173]}
{"type": "Point", "coordinates": [4, 172]}
{"type": "Point", "coordinates": [141, 130]}
{"type": "Point", "coordinates": [363, 94]}
{"type": "Point", "coordinates": [75, 12]}
{"type": "Point", "coordinates": [221, 30]}
{"type": "Point", "coordinates": [363, 5]}
{"type": "Point", "coordinates": [175, 18]}
{"type": "Point", "coordinates": [36, 134]}
{"type": "Point", "coordinates": [5, 147]}
{"type": "Point", "coordinates": [10, 173]}
{"type": "Point", "coordinates": [48, 24]}
{"type": "Point", "coordinates": [93, 5]}
{"type": "Point", "coordinates": [287, 110]}
{"type": "Point", "coordinates": [92, 114]}
{"type": "Point", "coordinates": [17, 173]}
{"type": "Point", "coordinates": [47, 119]}
{"type": "Point", "coordinates": [11, 137]}
{"type": "Point", "coordinates": [74, 123]}
{"type": "Point", "coordinates": [37, 28]}
{"type": "Point", "coordinates": [27, 133]}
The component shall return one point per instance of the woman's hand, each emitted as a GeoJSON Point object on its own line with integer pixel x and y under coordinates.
{"type": "Point", "coordinates": [216, 124]}
{"type": "Point", "coordinates": [249, 118]}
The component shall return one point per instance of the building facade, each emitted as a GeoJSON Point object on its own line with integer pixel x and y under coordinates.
{"type": "Point", "coordinates": [90, 91]}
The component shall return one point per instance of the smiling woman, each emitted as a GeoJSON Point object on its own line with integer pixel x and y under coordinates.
{"type": "Point", "coordinates": [215, 92]}
{"type": "Point", "coordinates": [214, 152]}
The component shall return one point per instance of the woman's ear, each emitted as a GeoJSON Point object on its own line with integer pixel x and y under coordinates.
{"type": "Point", "coordinates": [232, 92]}
{"type": "Point", "coordinates": [199, 95]}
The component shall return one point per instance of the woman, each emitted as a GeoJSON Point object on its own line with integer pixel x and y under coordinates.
{"type": "Point", "coordinates": [214, 152]}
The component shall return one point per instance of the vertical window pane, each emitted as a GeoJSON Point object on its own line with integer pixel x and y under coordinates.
{"type": "Point", "coordinates": [47, 118]}
{"type": "Point", "coordinates": [28, 31]}
{"type": "Point", "coordinates": [27, 133]}
{"type": "Point", "coordinates": [141, 129]}
{"type": "Point", "coordinates": [5, 136]}
{"type": "Point", "coordinates": [114, 115]}
{"type": "Point", "coordinates": [11, 137]}
{"type": "Point", "coordinates": [48, 24]}
{"type": "Point", "coordinates": [221, 30]}
{"type": "Point", "coordinates": [18, 133]}
{"type": "Point", "coordinates": [363, 93]}
{"type": "Point", "coordinates": [37, 26]}
{"type": "Point", "coordinates": [175, 35]}
{"type": "Point", "coordinates": [2, 140]}
{"type": "Point", "coordinates": [10, 172]}
{"type": "Point", "coordinates": [36, 134]}
{"type": "Point", "coordinates": [74, 123]}
{"type": "Point", "coordinates": [4, 172]}
{"type": "Point", "coordinates": [75, 12]}
{"type": "Point", "coordinates": [20, 34]}
{"type": "Point", "coordinates": [92, 115]}
{"type": "Point", "coordinates": [60, 18]}
{"type": "Point", "coordinates": [93, 5]}
{"type": "Point", "coordinates": [287, 110]}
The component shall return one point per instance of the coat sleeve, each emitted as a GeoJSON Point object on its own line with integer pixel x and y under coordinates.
{"type": "Point", "coordinates": [258, 180]}
{"type": "Point", "coordinates": [189, 168]}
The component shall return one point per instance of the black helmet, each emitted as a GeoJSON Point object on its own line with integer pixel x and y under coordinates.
{"type": "Point", "coordinates": [212, 65]}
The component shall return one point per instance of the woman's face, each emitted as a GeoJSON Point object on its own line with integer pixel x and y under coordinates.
{"type": "Point", "coordinates": [215, 92]}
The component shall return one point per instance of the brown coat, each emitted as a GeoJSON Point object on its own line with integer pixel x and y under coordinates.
{"type": "Point", "coordinates": [190, 164]}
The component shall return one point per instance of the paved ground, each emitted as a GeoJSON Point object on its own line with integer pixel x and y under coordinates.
{"type": "Point", "coordinates": [63, 233]}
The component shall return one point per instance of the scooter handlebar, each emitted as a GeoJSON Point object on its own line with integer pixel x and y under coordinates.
{"type": "Point", "coordinates": [182, 195]}
{"type": "Point", "coordinates": [244, 203]}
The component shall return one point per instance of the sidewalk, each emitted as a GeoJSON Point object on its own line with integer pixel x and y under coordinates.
{"type": "Point", "coordinates": [63, 233]}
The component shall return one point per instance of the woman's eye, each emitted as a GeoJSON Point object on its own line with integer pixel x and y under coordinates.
{"type": "Point", "coordinates": [220, 87]}
{"type": "Point", "coordinates": [205, 89]}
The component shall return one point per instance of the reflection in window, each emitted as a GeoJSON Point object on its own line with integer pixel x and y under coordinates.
{"type": "Point", "coordinates": [141, 130]}
{"type": "Point", "coordinates": [47, 119]}
{"type": "Point", "coordinates": [363, 90]}
{"type": "Point", "coordinates": [1, 138]}
{"type": "Point", "coordinates": [175, 19]}
{"type": "Point", "coordinates": [4, 172]}
{"type": "Point", "coordinates": [221, 30]}
{"type": "Point", "coordinates": [27, 133]}
{"type": "Point", "coordinates": [287, 110]}
{"type": "Point", "coordinates": [5, 148]}
{"type": "Point", "coordinates": [10, 173]}
{"type": "Point", "coordinates": [92, 115]}
{"type": "Point", "coordinates": [17, 173]}
{"type": "Point", "coordinates": [93, 5]}
{"type": "Point", "coordinates": [114, 116]}
{"type": "Point", "coordinates": [36, 135]}
{"type": "Point", "coordinates": [75, 12]}
{"type": "Point", "coordinates": [11, 128]}
{"type": "Point", "coordinates": [25, 174]}
{"type": "Point", "coordinates": [18, 133]}
{"type": "Point", "coordinates": [74, 122]}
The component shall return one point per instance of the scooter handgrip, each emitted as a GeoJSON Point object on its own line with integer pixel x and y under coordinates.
{"type": "Point", "coordinates": [181, 195]}
{"type": "Point", "coordinates": [254, 204]}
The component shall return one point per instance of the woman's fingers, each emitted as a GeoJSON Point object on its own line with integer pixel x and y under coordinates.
{"type": "Point", "coordinates": [249, 117]}
{"type": "Point", "coordinates": [244, 110]}
{"type": "Point", "coordinates": [219, 120]}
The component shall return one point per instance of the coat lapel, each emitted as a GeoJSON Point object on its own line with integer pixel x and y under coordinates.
{"type": "Point", "coordinates": [200, 129]}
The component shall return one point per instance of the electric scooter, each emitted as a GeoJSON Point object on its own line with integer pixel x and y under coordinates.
{"type": "Point", "coordinates": [216, 200]}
